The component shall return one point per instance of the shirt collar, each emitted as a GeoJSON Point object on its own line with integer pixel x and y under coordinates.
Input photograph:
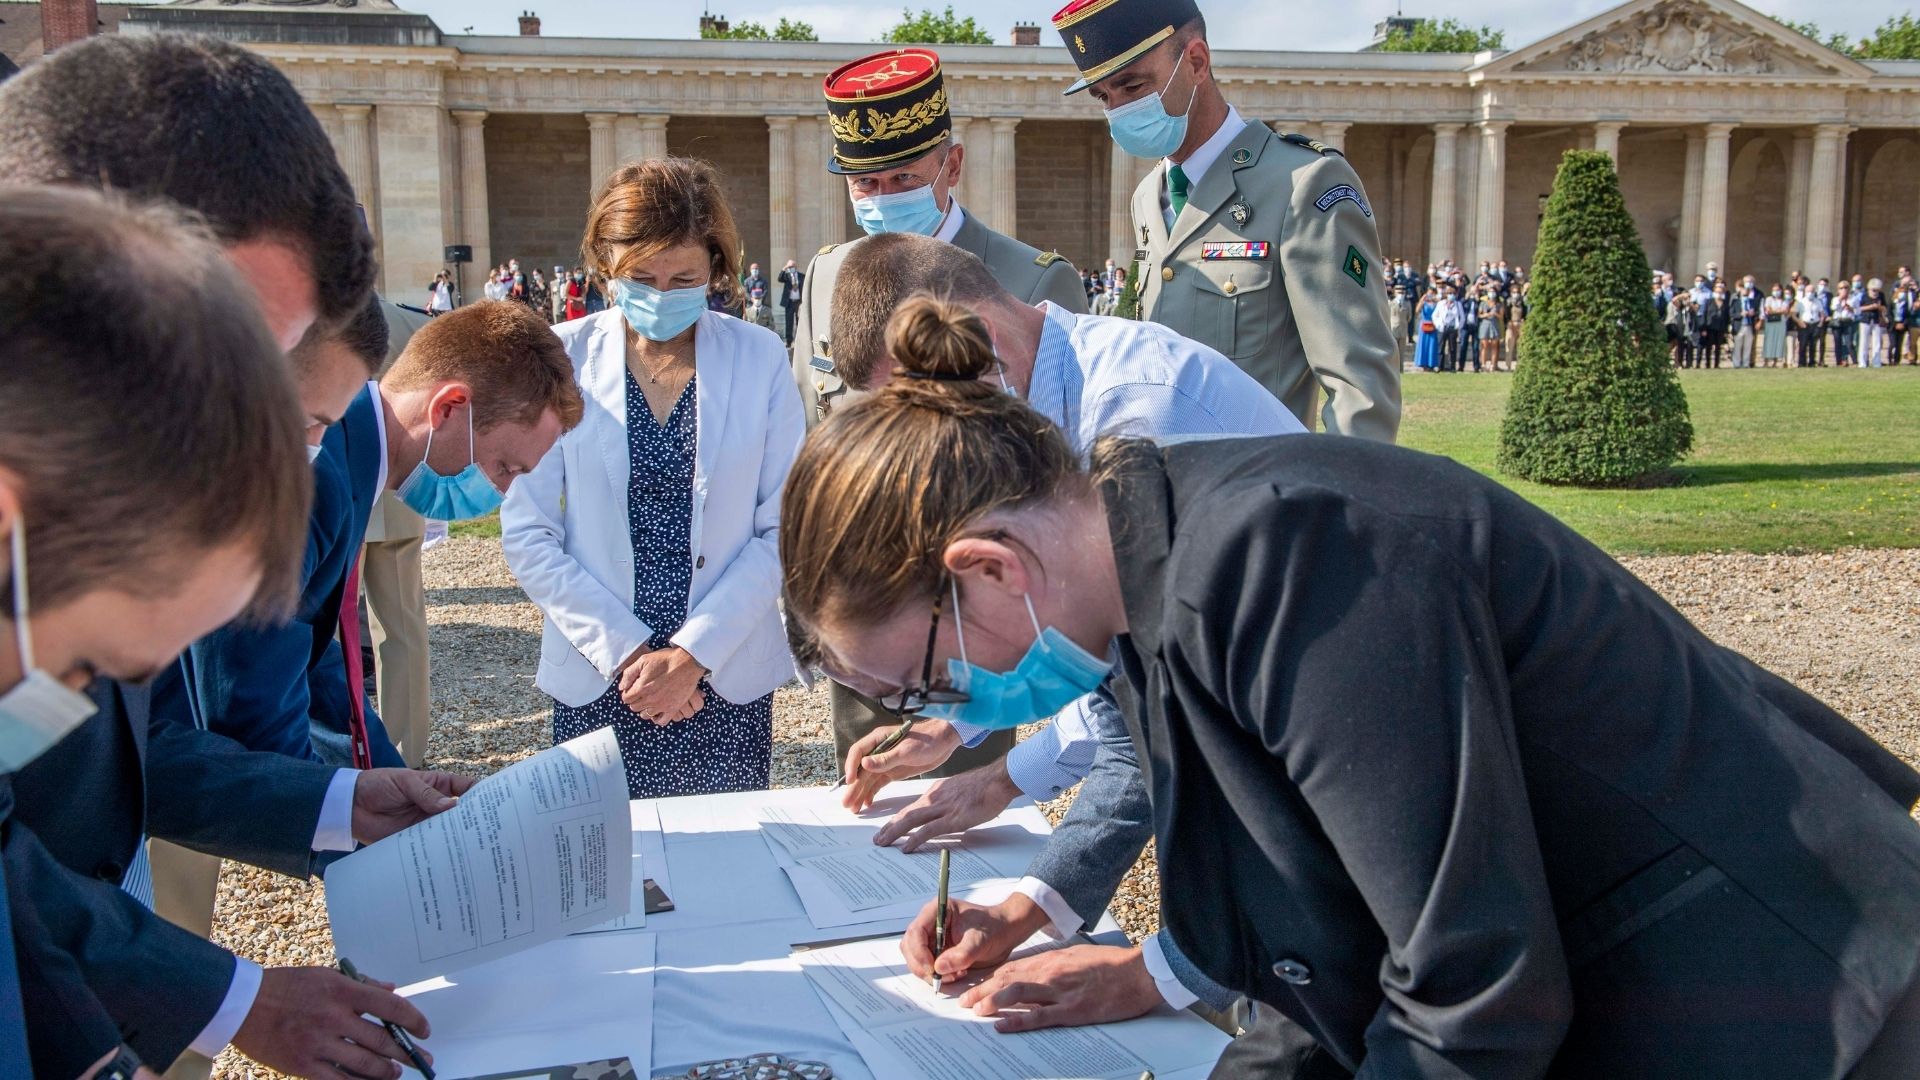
{"type": "Point", "coordinates": [379, 436]}
{"type": "Point", "coordinates": [1201, 160]}
{"type": "Point", "coordinates": [950, 228]}
{"type": "Point", "coordinates": [1047, 387]}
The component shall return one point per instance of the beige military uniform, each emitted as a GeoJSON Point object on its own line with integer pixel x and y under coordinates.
{"type": "Point", "coordinates": [1275, 261]}
{"type": "Point", "coordinates": [1026, 272]}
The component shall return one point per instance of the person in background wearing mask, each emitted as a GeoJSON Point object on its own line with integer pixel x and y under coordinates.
{"type": "Point", "coordinates": [440, 294]}
{"type": "Point", "coordinates": [495, 290]}
{"type": "Point", "coordinates": [1776, 317]}
{"type": "Point", "coordinates": [1261, 246]}
{"type": "Point", "coordinates": [576, 303]}
{"type": "Point", "coordinates": [900, 178]}
{"type": "Point", "coordinates": [674, 637]}
{"type": "Point", "coordinates": [792, 280]}
{"type": "Point", "coordinates": [1844, 319]}
{"type": "Point", "coordinates": [1872, 311]}
{"type": "Point", "coordinates": [1449, 318]}
{"type": "Point", "coordinates": [1901, 317]}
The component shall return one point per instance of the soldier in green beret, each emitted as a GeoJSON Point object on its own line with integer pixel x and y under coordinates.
{"type": "Point", "coordinates": [1260, 245]}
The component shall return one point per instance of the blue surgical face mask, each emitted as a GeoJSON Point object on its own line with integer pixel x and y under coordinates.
{"type": "Point", "coordinates": [1143, 128]}
{"type": "Point", "coordinates": [40, 710]}
{"type": "Point", "coordinates": [466, 494]}
{"type": "Point", "coordinates": [913, 211]}
{"type": "Point", "coordinates": [1052, 675]}
{"type": "Point", "coordinates": [657, 315]}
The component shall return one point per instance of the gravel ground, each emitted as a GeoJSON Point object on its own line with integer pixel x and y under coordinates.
{"type": "Point", "coordinates": [1845, 627]}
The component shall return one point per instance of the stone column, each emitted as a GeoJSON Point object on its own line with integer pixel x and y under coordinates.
{"type": "Point", "coordinates": [1846, 192]}
{"type": "Point", "coordinates": [1711, 244]}
{"type": "Point", "coordinates": [1793, 249]}
{"type": "Point", "coordinates": [809, 187]}
{"type": "Point", "coordinates": [1489, 232]}
{"type": "Point", "coordinates": [782, 211]}
{"type": "Point", "coordinates": [653, 136]}
{"type": "Point", "coordinates": [408, 149]}
{"type": "Point", "coordinates": [356, 157]}
{"type": "Point", "coordinates": [475, 226]}
{"type": "Point", "coordinates": [1121, 239]}
{"type": "Point", "coordinates": [1822, 254]}
{"type": "Point", "coordinates": [600, 149]}
{"type": "Point", "coordinates": [1006, 190]}
{"type": "Point", "coordinates": [976, 158]}
{"type": "Point", "coordinates": [1334, 133]}
{"type": "Point", "coordinates": [1446, 170]}
{"type": "Point", "coordinates": [626, 140]}
{"type": "Point", "coordinates": [1606, 139]}
{"type": "Point", "coordinates": [1686, 261]}
{"type": "Point", "coordinates": [834, 228]}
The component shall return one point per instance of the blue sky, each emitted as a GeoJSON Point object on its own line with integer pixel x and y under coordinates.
{"type": "Point", "coordinates": [1259, 24]}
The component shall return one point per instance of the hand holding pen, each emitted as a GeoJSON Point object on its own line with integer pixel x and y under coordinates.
{"type": "Point", "coordinates": [394, 1031]}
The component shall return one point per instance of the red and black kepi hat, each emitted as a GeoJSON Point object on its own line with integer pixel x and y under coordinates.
{"type": "Point", "coordinates": [886, 110]}
{"type": "Point", "coordinates": [1107, 35]}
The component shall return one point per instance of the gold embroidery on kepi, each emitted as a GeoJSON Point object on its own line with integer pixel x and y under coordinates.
{"type": "Point", "coordinates": [886, 110]}
{"type": "Point", "coordinates": [1104, 36]}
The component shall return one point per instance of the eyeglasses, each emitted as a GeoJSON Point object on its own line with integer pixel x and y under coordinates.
{"type": "Point", "coordinates": [913, 701]}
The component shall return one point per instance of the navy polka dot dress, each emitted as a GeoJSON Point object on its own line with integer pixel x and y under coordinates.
{"type": "Point", "coordinates": [724, 747]}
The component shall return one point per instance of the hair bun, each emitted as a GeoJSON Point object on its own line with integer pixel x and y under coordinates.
{"type": "Point", "coordinates": [939, 340]}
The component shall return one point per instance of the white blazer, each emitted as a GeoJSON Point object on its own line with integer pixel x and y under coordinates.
{"type": "Point", "coordinates": [564, 525]}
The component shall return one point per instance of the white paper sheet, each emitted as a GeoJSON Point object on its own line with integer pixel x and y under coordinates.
{"type": "Point", "coordinates": [531, 854]}
{"type": "Point", "coordinates": [573, 1000]}
{"type": "Point", "coordinates": [636, 916]}
{"type": "Point", "coordinates": [904, 1029]}
{"type": "Point", "coordinates": [844, 879]}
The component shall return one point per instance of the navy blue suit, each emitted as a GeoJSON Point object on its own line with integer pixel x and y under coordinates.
{"type": "Point", "coordinates": [284, 688]}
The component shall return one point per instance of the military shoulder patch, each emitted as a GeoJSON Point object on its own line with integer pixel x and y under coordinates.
{"type": "Point", "coordinates": [1298, 139]}
{"type": "Point", "coordinates": [1047, 258]}
{"type": "Point", "coordinates": [1357, 266]}
{"type": "Point", "coordinates": [1342, 193]}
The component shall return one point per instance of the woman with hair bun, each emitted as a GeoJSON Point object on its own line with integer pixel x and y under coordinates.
{"type": "Point", "coordinates": [672, 635]}
{"type": "Point", "coordinates": [1434, 781]}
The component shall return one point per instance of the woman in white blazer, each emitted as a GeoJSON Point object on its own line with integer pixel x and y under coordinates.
{"type": "Point", "coordinates": [649, 535]}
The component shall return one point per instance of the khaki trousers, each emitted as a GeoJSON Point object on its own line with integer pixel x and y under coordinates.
{"type": "Point", "coordinates": [397, 623]}
{"type": "Point", "coordinates": [184, 885]}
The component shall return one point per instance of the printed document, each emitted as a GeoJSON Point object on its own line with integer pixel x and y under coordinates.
{"type": "Point", "coordinates": [904, 1028]}
{"type": "Point", "coordinates": [532, 853]}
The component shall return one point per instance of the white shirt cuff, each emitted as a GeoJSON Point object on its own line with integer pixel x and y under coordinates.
{"type": "Point", "coordinates": [970, 736]}
{"type": "Point", "coordinates": [1066, 921]}
{"type": "Point", "coordinates": [334, 830]}
{"type": "Point", "coordinates": [1034, 766]}
{"type": "Point", "coordinates": [233, 1010]}
{"type": "Point", "coordinates": [1176, 993]}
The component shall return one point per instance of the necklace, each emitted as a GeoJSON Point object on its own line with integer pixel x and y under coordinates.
{"type": "Point", "coordinates": [653, 373]}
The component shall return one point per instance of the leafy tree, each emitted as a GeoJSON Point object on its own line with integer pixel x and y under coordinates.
{"type": "Point", "coordinates": [1448, 35]}
{"type": "Point", "coordinates": [927, 28]}
{"type": "Point", "coordinates": [785, 30]}
{"type": "Point", "coordinates": [1595, 401]}
{"type": "Point", "coordinates": [1896, 39]}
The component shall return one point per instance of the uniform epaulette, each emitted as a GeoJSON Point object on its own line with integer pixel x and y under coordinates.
{"type": "Point", "coordinates": [1316, 146]}
{"type": "Point", "coordinates": [824, 250]}
{"type": "Point", "coordinates": [410, 307]}
{"type": "Point", "coordinates": [1047, 258]}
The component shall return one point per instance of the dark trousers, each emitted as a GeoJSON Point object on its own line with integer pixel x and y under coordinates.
{"type": "Point", "coordinates": [1449, 350]}
{"type": "Point", "coordinates": [1812, 341]}
{"type": "Point", "coordinates": [792, 311]}
{"type": "Point", "coordinates": [1896, 340]}
{"type": "Point", "coordinates": [855, 714]}
{"type": "Point", "coordinates": [1469, 347]}
{"type": "Point", "coordinates": [1275, 1046]}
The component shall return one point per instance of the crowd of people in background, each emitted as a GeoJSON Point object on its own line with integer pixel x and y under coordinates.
{"type": "Point", "coordinates": [1449, 320]}
{"type": "Point", "coordinates": [568, 295]}
{"type": "Point", "coordinates": [1711, 324]}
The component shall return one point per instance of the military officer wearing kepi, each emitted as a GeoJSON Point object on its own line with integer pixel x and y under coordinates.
{"type": "Point", "coordinates": [893, 141]}
{"type": "Point", "coordinates": [1260, 245]}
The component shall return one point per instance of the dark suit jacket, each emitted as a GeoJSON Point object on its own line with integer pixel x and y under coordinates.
{"type": "Point", "coordinates": [280, 688]}
{"type": "Point", "coordinates": [79, 813]}
{"type": "Point", "coordinates": [1459, 794]}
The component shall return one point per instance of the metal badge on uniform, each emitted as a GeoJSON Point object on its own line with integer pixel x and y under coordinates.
{"type": "Point", "coordinates": [1144, 238]}
{"type": "Point", "coordinates": [1343, 193]}
{"type": "Point", "coordinates": [1235, 249]}
{"type": "Point", "coordinates": [1242, 156]}
{"type": "Point", "coordinates": [821, 363]}
{"type": "Point", "coordinates": [1241, 213]}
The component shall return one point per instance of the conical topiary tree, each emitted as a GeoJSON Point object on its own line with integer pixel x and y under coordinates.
{"type": "Point", "coordinates": [1595, 401]}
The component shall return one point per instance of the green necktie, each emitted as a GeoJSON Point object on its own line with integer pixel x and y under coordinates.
{"type": "Point", "coordinates": [1176, 189]}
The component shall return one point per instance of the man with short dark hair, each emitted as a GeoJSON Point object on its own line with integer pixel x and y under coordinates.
{"type": "Point", "coordinates": [216, 128]}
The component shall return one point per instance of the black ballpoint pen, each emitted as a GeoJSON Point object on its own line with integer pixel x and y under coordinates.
{"type": "Point", "coordinates": [399, 1034]}
{"type": "Point", "coordinates": [940, 914]}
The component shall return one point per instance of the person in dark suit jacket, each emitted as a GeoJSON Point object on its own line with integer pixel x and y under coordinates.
{"type": "Point", "coordinates": [1473, 800]}
{"type": "Point", "coordinates": [792, 281]}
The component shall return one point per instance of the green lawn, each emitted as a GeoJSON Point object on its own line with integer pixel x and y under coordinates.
{"type": "Point", "coordinates": [1783, 460]}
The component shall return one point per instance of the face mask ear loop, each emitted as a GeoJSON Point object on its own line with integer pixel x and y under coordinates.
{"type": "Point", "coordinates": [20, 606]}
{"type": "Point", "coordinates": [473, 448]}
{"type": "Point", "coordinates": [959, 629]}
{"type": "Point", "coordinates": [1031, 617]}
{"type": "Point", "coordinates": [428, 452]}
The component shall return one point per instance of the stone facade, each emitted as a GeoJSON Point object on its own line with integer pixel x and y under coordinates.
{"type": "Point", "coordinates": [1739, 142]}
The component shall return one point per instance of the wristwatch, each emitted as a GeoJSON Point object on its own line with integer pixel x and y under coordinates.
{"type": "Point", "coordinates": [121, 1066]}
